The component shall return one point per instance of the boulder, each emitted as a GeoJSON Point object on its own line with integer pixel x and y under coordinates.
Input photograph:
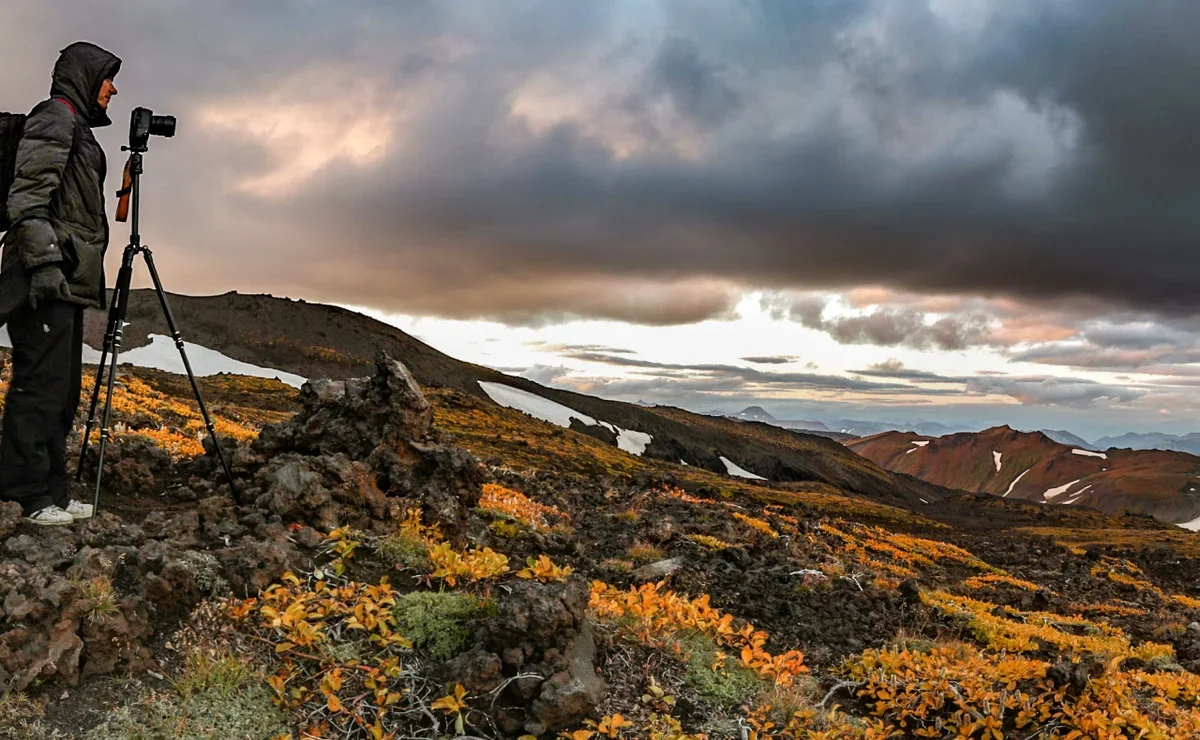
{"type": "Point", "coordinates": [657, 571]}
{"type": "Point", "coordinates": [541, 633]}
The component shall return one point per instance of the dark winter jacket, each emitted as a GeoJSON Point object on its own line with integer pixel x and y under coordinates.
{"type": "Point", "coordinates": [57, 198]}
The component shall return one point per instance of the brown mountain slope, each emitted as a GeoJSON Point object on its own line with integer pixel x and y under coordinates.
{"type": "Point", "coordinates": [1033, 467]}
{"type": "Point", "coordinates": [314, 340]}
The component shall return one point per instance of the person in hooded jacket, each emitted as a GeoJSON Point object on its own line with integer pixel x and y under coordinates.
{"type": "Point", "coordinates": [56, 248]}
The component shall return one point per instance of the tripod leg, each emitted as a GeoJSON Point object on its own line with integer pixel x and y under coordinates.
{"type": "Point", "coordinates": [208, 423]}
{"type": "Point", "coordinates": [114, 318]}
{"type": "Point", "coordinates": [120, 307]}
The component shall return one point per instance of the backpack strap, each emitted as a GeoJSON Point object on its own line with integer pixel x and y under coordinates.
{"type": "Point", "coordinates": [67, 102]}
{"type": "Point", "coordinates": [74, 127]}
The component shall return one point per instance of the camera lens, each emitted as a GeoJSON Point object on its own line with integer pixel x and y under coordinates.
{"type": "Point", "coordinates": [162, 125]}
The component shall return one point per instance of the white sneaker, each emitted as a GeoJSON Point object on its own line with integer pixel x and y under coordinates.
{"type": "Point", "coordinates": [79, 510]}
{"type": "Point", "coordinates": [51, 516]}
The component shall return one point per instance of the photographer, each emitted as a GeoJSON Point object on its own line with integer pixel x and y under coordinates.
{"type": "Point", "coordinates": [54, 260]}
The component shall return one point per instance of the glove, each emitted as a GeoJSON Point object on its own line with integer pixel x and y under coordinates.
{"type": "Point", "coordinates": [47, 284]}
{"type": "Point", "coordinates": [39, 244]}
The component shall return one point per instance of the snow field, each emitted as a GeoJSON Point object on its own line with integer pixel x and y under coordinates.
{"type": "Point", "coordinates": [628, 440]}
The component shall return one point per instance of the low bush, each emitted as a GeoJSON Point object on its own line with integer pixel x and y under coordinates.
{"type": "Point", "coordinates": [405, 551]}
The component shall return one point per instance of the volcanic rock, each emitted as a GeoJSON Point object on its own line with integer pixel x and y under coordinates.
{"type": "Point", "coordinates": [357, 450]}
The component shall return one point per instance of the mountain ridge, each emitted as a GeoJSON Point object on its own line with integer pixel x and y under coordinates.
{"type": "Point", "coordinates": [1003, 462]}
{"type": "Point", "coordinates": [314, 340]}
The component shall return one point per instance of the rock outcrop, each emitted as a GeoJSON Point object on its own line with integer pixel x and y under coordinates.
{"type": "Point", "coordinates": [362, 450]}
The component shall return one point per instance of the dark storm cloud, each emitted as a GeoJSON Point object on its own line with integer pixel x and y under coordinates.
{"type": "Point", "coordinates": [692, 84]}
{"type": "Point", "coordinates": [546, 160]}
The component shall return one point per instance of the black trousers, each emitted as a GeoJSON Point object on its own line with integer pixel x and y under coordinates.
{"type": "Point", "coordinates": [40, 408]}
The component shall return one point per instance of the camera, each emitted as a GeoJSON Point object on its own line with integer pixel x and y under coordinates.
{"type": "Point", "coordinates": [143, 124]}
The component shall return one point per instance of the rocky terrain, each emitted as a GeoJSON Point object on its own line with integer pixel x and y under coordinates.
{"type": "Point", "coordinates": [403, 560]}
{"type": "Point", "coordinates": [1034, 467]}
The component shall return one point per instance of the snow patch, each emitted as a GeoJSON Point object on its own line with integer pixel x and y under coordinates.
{"type": "Point", "coordinates": [1013, 485]}
{"type": "Point", "coordinates": [162, 354]}
{"type": "Point", "coordinates": [1077, 495]}
{"type": "Point", "coordinates": [733, 469]}
{"type": "Point", "coordinates": [917, 443]}
{"type": "Point", "coordinates": [634, 443]}
{"type": "Point", "coordinates": [996, 458]}
{"type": "Point", "coordinates": [1089, 453]}
{"type": "Point", "coordinates": [922, 500]}
{"type": "Point", "coordinates": [1060, 490]}
{"type": "Point", "coordinates": [1193, 525]}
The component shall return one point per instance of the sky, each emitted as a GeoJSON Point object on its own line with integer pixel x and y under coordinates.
{"type": "Point", "coordinates": [967, 211]}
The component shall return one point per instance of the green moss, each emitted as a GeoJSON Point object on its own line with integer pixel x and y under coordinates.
{"type": "Point", "coordinates": [438, 623]}
{"type": "Point", "coordinates": [408, 552]}
{"type": "Point", "coordinates": [247, 714]}
{"type": "Point", "coordinates": [730, 686]}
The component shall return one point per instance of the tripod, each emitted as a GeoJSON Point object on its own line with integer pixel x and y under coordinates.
{"type": "Point", "coordinates": [114, 334]}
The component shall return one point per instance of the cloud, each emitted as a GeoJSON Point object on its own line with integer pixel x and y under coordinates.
{"type": "Point", "coordinates": [743, 378]}
{"type": "Point", "coordinates": [545, 374]}
{"type": "Point", "coordinates": [771, 359]}
{"type": "Point", "coordinates": [886, 326]}
{"type": "Point", "coordinates": [1051, 391]}
{"type": "Point", "coordinates": [645, 162]}
{"type": "Point", "coordinates": [1122, 343]}
{"type": "Point", "coordinates": [895, 369]}
{"type": "Point", "coordinates": [560, 347]}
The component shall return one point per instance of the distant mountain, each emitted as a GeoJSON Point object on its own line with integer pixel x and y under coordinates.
{"type": "Point", "coordinates": [762, 416]}
{"type": "Point", "coordinates": [754, 413]}
{"type": "Point", "coordinates": [1189, 443]}
{"type": "Point", "coordinates": [924, 428]}
{"type": "Point", "coordinates": [1066, 438]}
{"type": "Point", "coordinates": [1034, 467]}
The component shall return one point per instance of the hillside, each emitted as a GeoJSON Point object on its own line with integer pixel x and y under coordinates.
{"type": "Point", "coordinates": [313, 340]}
{"type": "Point", "coordinates": [1032, 466]}
{"type": "Point", "coordinates": [376, 580]}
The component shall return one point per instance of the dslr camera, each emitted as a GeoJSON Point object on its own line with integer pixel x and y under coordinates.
{"type": "Point", "coordinates": [143, 124]}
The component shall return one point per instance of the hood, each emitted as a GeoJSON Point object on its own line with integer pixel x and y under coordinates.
{"type": "Point", "coordinates": [81, 69]}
